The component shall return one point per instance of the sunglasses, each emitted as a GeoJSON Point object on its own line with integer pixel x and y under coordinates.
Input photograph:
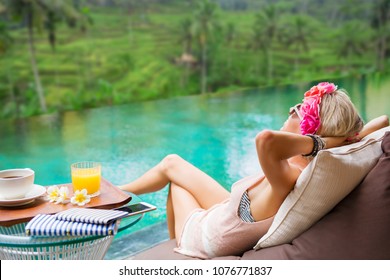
{"type": "Point", "coordinates": [296, 110]}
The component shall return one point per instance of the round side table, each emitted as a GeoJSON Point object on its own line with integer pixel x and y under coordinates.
{"type": "Point", "coordinates": [16, 245]}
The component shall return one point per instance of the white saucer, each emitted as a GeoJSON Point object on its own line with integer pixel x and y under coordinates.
{"type": "Point", "coordinates": [36, 192]}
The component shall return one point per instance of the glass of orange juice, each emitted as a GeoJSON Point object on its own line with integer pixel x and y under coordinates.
{"type": "Point", "coordinates": [86, 175]}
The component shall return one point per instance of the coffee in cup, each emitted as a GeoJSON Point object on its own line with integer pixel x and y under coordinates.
{"type": "Point", "coordinates": [16, 183]}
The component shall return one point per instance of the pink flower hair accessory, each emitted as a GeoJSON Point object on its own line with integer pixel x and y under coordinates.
{"type": "Point", "coordinates": [310, 109]}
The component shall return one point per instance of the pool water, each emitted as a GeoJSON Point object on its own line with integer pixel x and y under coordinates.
{"type": "Point", "coordinates": [215, 133]}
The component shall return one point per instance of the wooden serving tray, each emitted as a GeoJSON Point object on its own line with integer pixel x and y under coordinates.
{"type": "Point", "coordinates": [110, 197]}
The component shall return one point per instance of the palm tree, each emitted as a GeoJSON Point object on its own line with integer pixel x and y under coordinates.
{"type": "Point", "coordinates": [186, 35]}
{"type": "Point", "coordinates": [258, 42]}
{"type": "Point", "coordinates": [64, 11]}
{"type": "Point", "coordinates": [381, 24]}
{"type": "Point", "coordinates": [230, 36]}
{"type": "Point", "coordinates": [5, 39]}
{"type": "Point", "coordinates": [266, 27]}
{"type": "Point", "coordinates": [351, 41]}
{"type": "Point", "coordinates": [5, 47]}
{"type": "Point", "coordinates": [35, 14]}
{"type": "Point", "coordinates": [295, 34]}
{"type": "Point", "coordinates": [205, 24]}
{"type": "Point", "coordinates": [230, 33]}
{"type": "Point", "coordinates": [186, 38]}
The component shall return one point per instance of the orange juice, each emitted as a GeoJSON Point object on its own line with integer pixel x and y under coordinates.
{"type": "Point", "coordinates": [86, 175]}
{"type": "Point", "coordinates": [90, 182]}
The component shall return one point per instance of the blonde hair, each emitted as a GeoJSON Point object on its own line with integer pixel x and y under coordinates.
{"type": "Point", "coordinates": [339, 116]}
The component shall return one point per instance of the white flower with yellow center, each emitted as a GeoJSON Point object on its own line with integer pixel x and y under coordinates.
{"type": "Point", "coordinates": [80, 197]}
{"type": "Point", "coordinates": [57, 195]}
{"type": "Point", "coordinates": [52, 193]}
{"type": "Point", "coordinates": [63, 195]}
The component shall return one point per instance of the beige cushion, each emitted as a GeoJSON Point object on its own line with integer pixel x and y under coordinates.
{"type": "Point", "coordinates": [331, 176]}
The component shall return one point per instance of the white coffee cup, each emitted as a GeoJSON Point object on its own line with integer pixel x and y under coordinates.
{"type": "Point", "coordinates": [16, 183]}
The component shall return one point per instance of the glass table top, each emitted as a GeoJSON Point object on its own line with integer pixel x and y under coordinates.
{"type": "Point", "coordinates": [15, 236]}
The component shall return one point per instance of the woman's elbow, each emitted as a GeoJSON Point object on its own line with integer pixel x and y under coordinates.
{"type": "Point", "coordinates": [385, 120]}
{"type": "Point", "coordinates": [265, 140]}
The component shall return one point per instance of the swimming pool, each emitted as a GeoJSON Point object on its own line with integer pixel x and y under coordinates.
{"type": "Point", "coordinates": [215, 133]}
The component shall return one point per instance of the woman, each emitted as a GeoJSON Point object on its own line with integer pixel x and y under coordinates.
{"type": "Point", "coordinates": [208, 221]}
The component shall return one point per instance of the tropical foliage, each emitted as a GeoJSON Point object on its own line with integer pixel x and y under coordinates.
{"type": "Point", "coordinates": [58, 55]}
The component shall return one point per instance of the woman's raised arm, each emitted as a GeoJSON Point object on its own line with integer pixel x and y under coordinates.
{"type": "Point", "coordinates": [274, 148]}
{"type": "Point", "coordinates": [373, 125]}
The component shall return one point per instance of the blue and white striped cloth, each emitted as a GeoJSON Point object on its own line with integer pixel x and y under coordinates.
{"type": "Point", "coordinates": [89, 215]}
{"type": "Point", "coordinates": [75, 223]}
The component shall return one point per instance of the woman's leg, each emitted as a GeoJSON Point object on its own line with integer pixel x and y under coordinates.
{"type": "Point", "coordinates": [153, 180]}
{"type": "Point", "coordinates": [183, 203]}
{"type": "Point", "coordinates": [205, 190]}
{"type": "Point", "coordinates": [190, 188]}
{"type": "Point", "coordinates": [170, 215]}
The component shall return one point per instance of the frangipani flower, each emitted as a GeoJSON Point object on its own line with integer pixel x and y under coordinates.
{"type": "Point", "coordinates": [63, 195]}
{"type": "Point", "coordinates": [57, 195]}
{"type": "Point", "coordinates": [52, 193]}
{"type": "Point", "coordinates": [80, 197]}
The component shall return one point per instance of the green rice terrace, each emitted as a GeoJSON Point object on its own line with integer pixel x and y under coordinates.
{"type": "Point", "coordinates": [102, 53]}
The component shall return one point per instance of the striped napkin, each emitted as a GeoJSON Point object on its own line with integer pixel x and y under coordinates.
{"type": "Point", "coordinates": [78, 222]}
{"type": "Point", "coordinates": [89, 215]}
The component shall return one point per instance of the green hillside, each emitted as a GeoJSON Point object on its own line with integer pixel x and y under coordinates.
{"type": "Point", "coordinates": [128, 53]}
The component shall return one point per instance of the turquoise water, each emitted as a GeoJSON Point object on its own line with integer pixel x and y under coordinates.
{"type": "Point", "coordinates": [215, 133]}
